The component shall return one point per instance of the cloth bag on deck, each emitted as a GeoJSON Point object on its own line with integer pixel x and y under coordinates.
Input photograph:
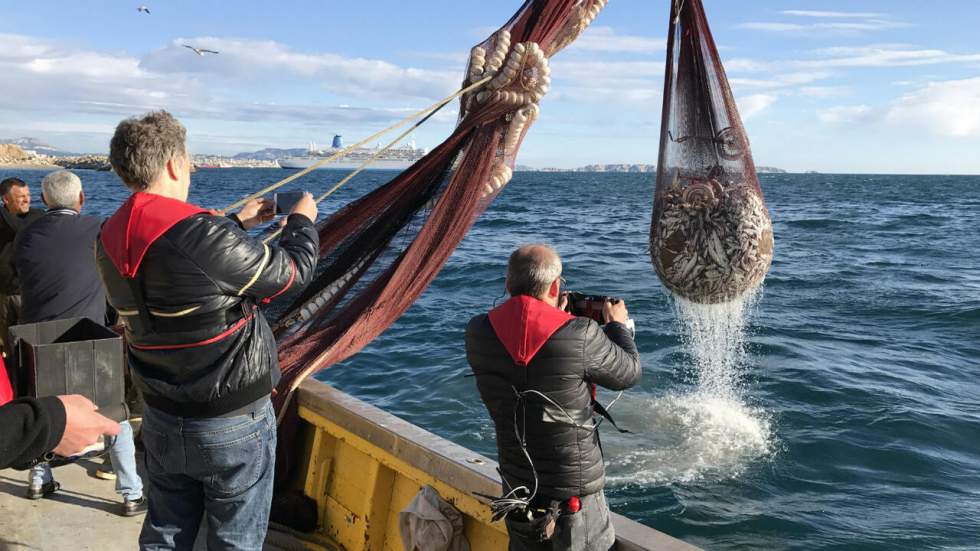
{"type": "Point", "coordinates": [430, 523]}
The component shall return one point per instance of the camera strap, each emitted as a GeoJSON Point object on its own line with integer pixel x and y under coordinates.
{"type": "Point", "coordinates": [604, 413]}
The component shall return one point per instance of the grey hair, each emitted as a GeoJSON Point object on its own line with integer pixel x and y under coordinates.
{"type": "Point", "coordinates": [531, 269]}
{"type": "Point", "coordinates": [61, 189]}
{"type": "Point", "coordinates": [141, 147]}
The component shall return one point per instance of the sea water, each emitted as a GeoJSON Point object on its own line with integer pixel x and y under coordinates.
{"type": "Point", "coordinates": [841, 410]}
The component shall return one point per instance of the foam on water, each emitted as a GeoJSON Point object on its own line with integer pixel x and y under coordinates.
{"type": "Point", "coordinates": [686, 438]}
{"type": "Point", "coordinates": [707, 430]}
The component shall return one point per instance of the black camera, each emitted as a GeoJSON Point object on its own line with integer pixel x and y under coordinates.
{"type": "Point", "coordinates": [588, 306]}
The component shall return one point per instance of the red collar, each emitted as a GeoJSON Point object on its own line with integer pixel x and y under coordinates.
{"type": "Point", "coordinates": [138, 223]}
{"type": "Point", "coordinates": [523, 324]}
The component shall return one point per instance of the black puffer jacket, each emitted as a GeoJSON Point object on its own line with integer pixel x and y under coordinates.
{"type": "Point", "coordinates": [205, 349]}
{"type": "Point", "coordinates": [526, 344]}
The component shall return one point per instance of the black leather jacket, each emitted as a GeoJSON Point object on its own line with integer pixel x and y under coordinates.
{"type": "Point", "coordinates": [567, 458]}
{"type": "Point", "coordinates": [206, 348]}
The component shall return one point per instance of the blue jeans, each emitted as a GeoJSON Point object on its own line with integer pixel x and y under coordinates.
{"type": "Point", "coordinates": [221, 468]}
{"type": "Point", "coordinates": [123, 455]}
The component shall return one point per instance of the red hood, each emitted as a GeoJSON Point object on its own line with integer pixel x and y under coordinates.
{"type": "Point", "coordinates": [140, 221]}
{"type": "Point", "coordinates": [523, 324]}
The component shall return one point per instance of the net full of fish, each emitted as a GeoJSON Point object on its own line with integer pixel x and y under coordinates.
{"type": "Point", "coordinates": [711, 237]}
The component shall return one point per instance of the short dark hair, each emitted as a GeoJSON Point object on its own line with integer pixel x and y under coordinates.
{"type": "Point", "coordinates": [8, 183]}
{"type": "Point", "coordinates": [141, 147]}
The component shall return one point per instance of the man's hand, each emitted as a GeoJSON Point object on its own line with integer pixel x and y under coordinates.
{"type": "Point", "coordinates": [563, 302]}
{"type": "Point", "coordinates": [615, 311]}
{"type": "Point", "coordinates": [256, 212]}
{"type": "Point", "coordinates": [306, 206]}
{"type": "Point", "coordinates": [83, 425]}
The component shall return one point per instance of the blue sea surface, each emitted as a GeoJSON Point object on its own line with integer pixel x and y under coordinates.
{"type": "Point", "coordinates": [855, 423]}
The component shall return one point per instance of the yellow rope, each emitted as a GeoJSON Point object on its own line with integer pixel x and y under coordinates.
{"type": "Point", "coordinates": [381, 151]}
{"type": "Point", "coordinates": [350, 176]}
{"type": "Point", "coordinates": [439, 104]}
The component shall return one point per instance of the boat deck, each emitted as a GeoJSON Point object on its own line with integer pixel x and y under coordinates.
{"type": "Point", "coordinates": [81, 516]}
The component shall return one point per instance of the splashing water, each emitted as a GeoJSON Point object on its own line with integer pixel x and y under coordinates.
{"type": "Point", "coordinates": [708, 431]}
{"type": "Point", "coordinates": [714, 337]}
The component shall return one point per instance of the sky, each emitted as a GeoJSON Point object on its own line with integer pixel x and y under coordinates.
{"type": "Point", "coordinates": [856, 86]}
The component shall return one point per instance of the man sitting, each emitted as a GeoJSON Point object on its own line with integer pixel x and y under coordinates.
{"type": "Point", "coordinates": [536, 368]}
{"type": "Point", "coordinates": [55, 261]}
{"type": "Point", "coordinates": [15, 215]}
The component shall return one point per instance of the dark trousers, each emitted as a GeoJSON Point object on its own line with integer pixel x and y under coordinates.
{"type": "Point", "coordinates": [9, 312]}
{"type": "Point", "coordinates": [590, 529]}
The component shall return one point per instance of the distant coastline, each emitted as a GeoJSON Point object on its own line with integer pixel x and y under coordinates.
{"type": "Point", "coordinates": [632, 168]}
{"type": "Point", "coordinates": [33, 153]}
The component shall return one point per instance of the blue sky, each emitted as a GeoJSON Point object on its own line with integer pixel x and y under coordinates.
{"type": "Point", "coordinates": [830, 85]}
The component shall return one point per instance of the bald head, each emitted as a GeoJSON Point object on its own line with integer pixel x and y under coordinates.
{"type": "Point", "coordinates": [532, 269]}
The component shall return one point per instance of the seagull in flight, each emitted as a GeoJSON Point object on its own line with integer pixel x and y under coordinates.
{"type": "Point", "coordinates": [143, 9]}
{"type": "Point", "coordinates": [200, 51]}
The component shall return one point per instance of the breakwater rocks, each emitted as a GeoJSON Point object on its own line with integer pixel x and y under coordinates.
{"type": "Point", "coordinates": [83, 162]}
{"type": "Point", "coordinates": [711, 243]}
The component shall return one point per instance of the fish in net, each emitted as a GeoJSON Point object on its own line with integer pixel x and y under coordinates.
{"type": "Point", "coordinates": [711, 236]}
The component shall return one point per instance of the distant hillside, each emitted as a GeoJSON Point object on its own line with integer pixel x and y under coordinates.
{"type": "Point", "coordinates": [36, 145]}
{"type": "Point", "coordinates": [636, 168]}
{"type": "Point", "coordinates": [617, 168]}
{"type": "Point", "coordinates": [271, 154]}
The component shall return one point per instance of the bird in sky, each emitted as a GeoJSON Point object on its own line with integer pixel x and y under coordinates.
{"type": "Point", "coordinates": [200, 51]}
{"type": "Point", "coordinates": [143, 9]}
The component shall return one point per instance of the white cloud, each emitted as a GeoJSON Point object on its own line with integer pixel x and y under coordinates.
{"type": "Point", "coordinates": [948, 108]}
{"type": "Point", "coordinates": [883, 56]}
{"type": "Point", "coordinates": [846, 27]}
{"type": "Point", "coordinates": [830, 14]}
{"type": "Point", "coordinates": [846, 114]}
{"type": "Point", "coordinates": [42, 76]}
{"type": "Point", "coordinates": [780, 81]}
{"type": "Point", "coordinates": [774, 27]}
{"type": "Point", "coordinates": [745, 65]}
{"type": "Point", "coordinates": [605, 39]}
{"type": "Point", "coordinates": [824, 91]}
{"type": "Point", "coordinates": [257, 60]}
{"type": "Point", "coordinates": [620, 82]}
{"type": "Point", "coordinates": [753, 105]}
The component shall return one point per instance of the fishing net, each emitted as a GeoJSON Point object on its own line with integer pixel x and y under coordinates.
{"type": "Point", "coordinates": [381, 251]}
{"type": "Point", "coordinates": [711, 237]}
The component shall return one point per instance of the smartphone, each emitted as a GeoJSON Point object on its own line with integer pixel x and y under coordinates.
{"type": "Point", "coordinates": [285, 201]}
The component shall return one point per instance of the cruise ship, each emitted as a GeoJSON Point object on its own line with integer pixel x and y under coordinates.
{"type": "Point", "coordinates": [396, 158]}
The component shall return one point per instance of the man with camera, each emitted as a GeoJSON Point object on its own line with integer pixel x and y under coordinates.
{"type": "Point", "coordinates": [187, 284]}
{"type": "Point", "coordinates": [536, 368]}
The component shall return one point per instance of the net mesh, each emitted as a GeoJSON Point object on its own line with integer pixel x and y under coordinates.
{"type": "Point", "coordinates": [711, 237]}
{"type": "Point", "coordinates": [381, 251]}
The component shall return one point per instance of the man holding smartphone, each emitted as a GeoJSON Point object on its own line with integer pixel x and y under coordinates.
{"type": "Point", "coordinates": [187, 284]}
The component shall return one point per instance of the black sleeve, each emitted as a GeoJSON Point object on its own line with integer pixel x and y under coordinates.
{"type": "Point", "coordinates": [29, 428]}
{"type": "Point", "coordinates": [242, 265]}
{"type": "Point", "coordinates": [238, 221]}
{"type": "Point", "coordinates": [612, 360]}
